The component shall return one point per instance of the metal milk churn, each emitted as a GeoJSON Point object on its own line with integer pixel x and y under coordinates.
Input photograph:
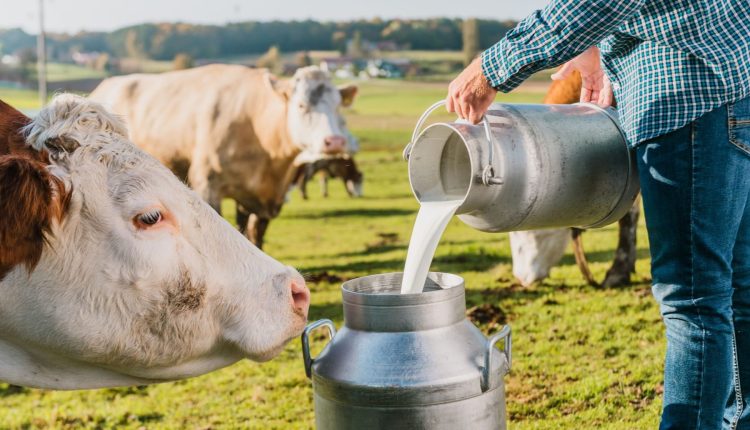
{"type": "Point", "coordinates": [407, 361]}
{"type": "Point", "coordinates": [527, 167]}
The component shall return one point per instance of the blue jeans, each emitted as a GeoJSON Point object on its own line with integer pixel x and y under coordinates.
{"type": "Point", "coordinates": [696, 184]}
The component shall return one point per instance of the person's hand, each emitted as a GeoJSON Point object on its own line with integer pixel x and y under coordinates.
{"type": "Point", "coordinates": [470, 94]}
{"type": "Point", "coordinates": [595, 87]}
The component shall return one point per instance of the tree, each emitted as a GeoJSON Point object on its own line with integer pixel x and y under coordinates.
{"type": "Point", "coordinates": [470, 33]}
{"type": "Point", "coordinates": [182, 61]}
{"type": "Point", "coordinates": [102, 62]}
{"type": "Point", "coordinates": [356, 50]}
{"type": "Point", "coordinates": [27, 64]}
{"type": "Point", "coordinates": [271, 60]}
{"type": "Point", "coordinates": [133, 46]}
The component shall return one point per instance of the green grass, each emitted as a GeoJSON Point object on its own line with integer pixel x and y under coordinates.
{"type": "Point", "coordinates": [584, 358]}
{"type": "Point", "coordinates": [63, 72]}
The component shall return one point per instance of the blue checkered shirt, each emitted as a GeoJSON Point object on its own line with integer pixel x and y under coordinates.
{"type": "Point", "coordinates": [670, 61]}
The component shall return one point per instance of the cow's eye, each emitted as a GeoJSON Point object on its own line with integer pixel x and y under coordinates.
{"type": "Point", "coordinates": [148, 219]}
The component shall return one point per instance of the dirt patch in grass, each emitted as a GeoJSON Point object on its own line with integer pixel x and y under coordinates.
{"type": "Point", "coordinates": [487, 314]}
{"type": "Point", "coordinates": [324, 276]}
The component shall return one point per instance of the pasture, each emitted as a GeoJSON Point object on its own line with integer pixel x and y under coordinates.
{"type": "Point", "coordinates": [583, 357]}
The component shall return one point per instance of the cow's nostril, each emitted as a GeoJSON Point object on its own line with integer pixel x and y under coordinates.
{"type": "Point", "coordinates": [300, 295]}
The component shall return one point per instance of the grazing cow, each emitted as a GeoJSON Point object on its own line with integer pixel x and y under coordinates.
{"type": "Point", "coordinates": [339, 167]}
{"type": "Point", "coordinates": [232, 131]}
{"type": "Point", "coordinates": [113, 272]}
{"type": "Point", "coordinates": [536, 252]}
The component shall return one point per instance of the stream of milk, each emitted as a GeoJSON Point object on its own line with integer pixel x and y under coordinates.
{"type": "Point", "coordinates": [432, 219]}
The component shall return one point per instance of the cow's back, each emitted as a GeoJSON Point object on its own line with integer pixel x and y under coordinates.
{"type": "Point", "coordinates": [169, 114]}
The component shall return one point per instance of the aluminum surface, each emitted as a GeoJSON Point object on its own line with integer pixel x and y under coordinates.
{"type": "Point", "coordinates": [409, 361]}
{"type": "Point", "coordinates": [553, 166]}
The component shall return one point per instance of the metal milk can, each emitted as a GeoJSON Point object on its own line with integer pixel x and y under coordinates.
{"type": "Point", "coordinates": [407, 361]}
{"type": "Point", "coordinates": [527, 167]}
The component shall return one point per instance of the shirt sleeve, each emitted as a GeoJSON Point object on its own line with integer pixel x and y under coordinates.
{"type": "Point", "coordinates": [552, 36]}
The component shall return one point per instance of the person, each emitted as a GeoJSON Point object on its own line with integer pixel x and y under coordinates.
{"type": "Point", "coordinates": [680, 72]}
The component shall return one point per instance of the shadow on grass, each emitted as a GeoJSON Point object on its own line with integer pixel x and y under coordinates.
{"type": "Point", "coordinates": [452, 263]}
{"type": "Point", "coordinates": [353, 212]}
{"type": "Point", "coordinates": [604, 256]}
{"type": "Point", "coordinates": [7, 390]}
{"type": "Point", "coordinates": [369, 267]}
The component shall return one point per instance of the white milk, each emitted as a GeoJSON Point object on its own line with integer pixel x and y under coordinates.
{"type": "Point", "coordinates": [432, 220]}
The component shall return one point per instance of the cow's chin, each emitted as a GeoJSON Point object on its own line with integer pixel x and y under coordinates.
{"type": "Point", "coordinates": [266, 346]}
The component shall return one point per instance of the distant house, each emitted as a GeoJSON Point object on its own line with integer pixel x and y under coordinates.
{"type": "Point", "coordinates": [394, 68]}
{"type": "Point", "coordinates": [387, 45]}
{"type": "Point", "coordinates": [86, 59]}
{"type": "Point", "coordinates": [340, 67]}
{"type": "Point", "coordinates": [10, 60]}
{"type": "Point", "coordinates": [348, 68]}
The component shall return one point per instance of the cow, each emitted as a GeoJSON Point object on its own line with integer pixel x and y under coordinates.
{"type": "Point", "coordinates": [113, 272]}
{"type": "Point", "coordinates": [535, 252]}
{"type": "Point", "coordinates": [231, 131]}
{"type": "Point", "coordinates": [343, 168]}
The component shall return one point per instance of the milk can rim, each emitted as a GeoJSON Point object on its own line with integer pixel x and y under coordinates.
{"type": "Point", "coordinates": [455, 288]}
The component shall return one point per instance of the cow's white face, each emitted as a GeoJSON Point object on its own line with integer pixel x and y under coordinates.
{"type": "Point", "coordinates": [313, 119]}
{"type": "Point", "coordinates": [140, 280]}
{"type": "Point", "coordinates": [536, 252]}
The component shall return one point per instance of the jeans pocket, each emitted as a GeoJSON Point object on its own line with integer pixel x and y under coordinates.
{"type": "Point", "coordinates": [738, 114]}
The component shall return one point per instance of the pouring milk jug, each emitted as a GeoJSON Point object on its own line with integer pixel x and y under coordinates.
{"type": "Point", "coordinates": [527, 167]}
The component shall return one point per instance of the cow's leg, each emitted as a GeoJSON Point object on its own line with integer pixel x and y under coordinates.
{"type": "Point", "coordinates": [625, 255]}
{"type": "Point", "coordinates": [256, 229]}
{"type": "Point", "coordinates": [348, 186]}
{"type": "Point", "coordinates": [580, 255]}
{"type": "Point", "coordinates": [324, 184]}
{"type": "Point", "coordinates": [303, 184]}
{"type": "Point", "coordinates": [243, 215]}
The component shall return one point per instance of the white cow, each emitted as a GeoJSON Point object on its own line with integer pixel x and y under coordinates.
{"type": "Point", "coordinates": [232, 131]}
{"type": "Point", "coordinates": [113, 272]}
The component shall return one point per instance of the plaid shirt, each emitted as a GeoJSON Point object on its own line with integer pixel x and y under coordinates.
{"type": "Point", "coordinates": [670, 61]}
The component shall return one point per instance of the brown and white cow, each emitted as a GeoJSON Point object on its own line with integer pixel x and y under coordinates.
{"type": "Point", "coordinates": [113, 272]}
{"type": "Point", "coordinates": [231, 131]}
{"type": "Point", "coordinates": [535, 252]}
{"type": "Point", "coordinates": [344, 168]}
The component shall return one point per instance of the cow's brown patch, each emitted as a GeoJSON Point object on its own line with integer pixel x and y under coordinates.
{"type": "Point", "coordinates": [30, 200]}
{"type": "Point", "coordinates": [30, 197]}
{"type": "Point", "coordinates": [565, 91]}
{"type": "Point", "coordinates": [186, 295]}
{"type": "Point", "coordinates": [12, 141]}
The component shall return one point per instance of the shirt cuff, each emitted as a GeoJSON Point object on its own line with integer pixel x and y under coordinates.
{"type": "Point", "coordinates": [495, 66]}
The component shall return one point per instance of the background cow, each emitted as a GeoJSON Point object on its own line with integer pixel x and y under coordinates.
{"type": "Point", "coordinates": [343, 168]}
{"type": "Point", "coordinates": [233, 131]}
{"type": "Point", "coordinates": [113, 272]}
{"type": "Point", "coordinates": [536, 252]}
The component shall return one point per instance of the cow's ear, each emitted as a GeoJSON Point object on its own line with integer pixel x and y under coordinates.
{"type": "Point", "coordinates": [59, 147]}
{"type": "Point", "coordinates": [31, 198]}
{"type": "Point", "coordinates": [281, 88]}
{"type": "Point", "coordinates": [348, 93]}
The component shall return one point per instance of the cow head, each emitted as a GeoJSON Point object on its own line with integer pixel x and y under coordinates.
{"type": "Point", "coordinates": [314, 122]}
{"type": "Point", "coordinates": [112, 272]}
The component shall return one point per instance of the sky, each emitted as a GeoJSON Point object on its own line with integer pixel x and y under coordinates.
{"type": "Point", "coordinates": [76, 15]}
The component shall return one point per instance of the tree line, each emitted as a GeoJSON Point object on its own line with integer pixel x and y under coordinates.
{"type": "Point", "coordinates": [163, 41]}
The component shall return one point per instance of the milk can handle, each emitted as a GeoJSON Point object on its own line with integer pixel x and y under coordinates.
{"type": "Point", "coordinates": [488, 173]}
{"type": "Point", "coordinates": [504, 334]}
{"type": "Point", "coordinates": [306, 341]}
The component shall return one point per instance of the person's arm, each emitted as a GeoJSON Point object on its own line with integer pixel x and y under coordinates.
{"type": "Point", "coordinates": [544, 39]}
{"type": "Point", "coordinates": [552, 36]}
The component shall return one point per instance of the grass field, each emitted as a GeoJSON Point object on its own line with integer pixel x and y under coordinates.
{"type": "Point", "coordinates": [584, 358]}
